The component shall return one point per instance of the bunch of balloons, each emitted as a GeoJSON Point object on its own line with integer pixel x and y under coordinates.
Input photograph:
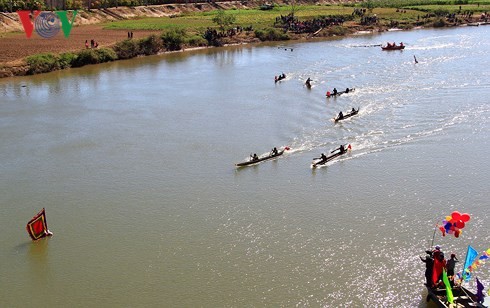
{"type": "Point", "coordinates": [454, 224]}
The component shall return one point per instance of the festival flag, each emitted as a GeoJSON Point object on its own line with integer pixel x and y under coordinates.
{"type": "Point", "coordinates": [449, 291]}
{"type": "Point", "coordinates": [479, 291]}
{"type": "Point", "coordinates": [471, 255]}
{"type": "Point", "coordinates": [37, 227]}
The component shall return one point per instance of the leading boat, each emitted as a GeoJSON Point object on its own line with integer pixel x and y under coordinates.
{"type": "Point", "coordinates": [256, 160]}
{"type": "Point", "coordinates": [462, 297]}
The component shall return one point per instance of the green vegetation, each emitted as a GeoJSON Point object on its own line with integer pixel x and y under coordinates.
{"type": "Point", "coordinates": [271, 34]}
{"type": "Point", "coordinates": [42, 63]}
{"type": "Point", "coordinates": [223, 19]}
{"type": "Point", "coordinates": [48, 62]}
{"type": "Point", "coordinates": [200, 21]}
{"type": "Point", "coordinates": [150, 45]}
{"type": "Point", "coordinates": [413, 3]}
{"type": "Point", "coordinates": [174, 39]}
{"type": "Point", "coordinates": [127, 49]}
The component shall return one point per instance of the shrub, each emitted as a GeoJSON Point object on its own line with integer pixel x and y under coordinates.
{"type": "Point", "coordinates": [150, 45]}
{"type": "Point", "coordinates": [174, 39]}
{"type": "Point", "coordinates": [337, 30]}
{"type": "Point", "coordinates": [197, 40]}
{"type": "Point", "coordinates": [84, 57]}
{"type": "Point", "coordinates": [439, 23]}
{"type": "Point", "coordinates": [66, 59]}
{"type": "Point", "coordinates": [271, 34]}
{"type": "Point", "coordinates": [42, 63]}
{"type": "Point", "coordinates": [126, 49]}
{"type": "Point", "coordinates": [105, 55]}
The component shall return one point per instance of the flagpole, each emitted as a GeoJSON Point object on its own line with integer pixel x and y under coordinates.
{"type": "Point", "coordinates": [433, 237]}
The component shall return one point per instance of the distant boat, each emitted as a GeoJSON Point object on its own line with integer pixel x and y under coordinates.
{"type": "Point", "coordinates": [280, 77]}
{"type": "Point", "coordinates": [252, 161]}
{"type": "Point", "coordinates": [352, 113]}
{"type": "Point", "coordinates": [393, 47]}
{"type": "Point", "coordinates": [348, 90]}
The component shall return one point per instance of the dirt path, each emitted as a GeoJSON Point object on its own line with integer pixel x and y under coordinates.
{"type": "Point", "coordinates": [15, 47]}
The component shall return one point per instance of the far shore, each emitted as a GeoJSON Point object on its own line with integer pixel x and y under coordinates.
{"type": "Point", "coordinates": [15, 47]}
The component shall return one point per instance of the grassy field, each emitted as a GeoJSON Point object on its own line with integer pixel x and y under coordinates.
{"type": "Point", "coordinates": [261, 19]}
{"type": "Point", "coordinates": [453, 8]}
{"type": "Point", "coordinates": [413, 3]}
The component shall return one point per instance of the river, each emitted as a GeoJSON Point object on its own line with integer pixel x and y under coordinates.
{"type": "Point", "coordinates": [134, 163]}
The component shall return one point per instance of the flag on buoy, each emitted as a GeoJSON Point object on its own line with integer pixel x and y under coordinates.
{"type": "Point", "coordinates": [37, 227]}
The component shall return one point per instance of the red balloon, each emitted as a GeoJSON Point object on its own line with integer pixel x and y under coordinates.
{"type": "Point", "coordinates": [457, 233]}
{"type": "Point", "coordinates": [465, 217]}
{"type": "Point", "coordinates": [442, 230]}
{"type": "Point", "coordinates": [460, 224]}
{"type": "Point", "coordinates": [456, 215]}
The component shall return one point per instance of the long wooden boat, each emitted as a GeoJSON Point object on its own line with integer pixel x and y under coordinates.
{"type": "Point", "coordinates": [252, 161]}
{"type": "Point", "coordinates": [396, 47]}
{"type": "Point", "coordinates": [352, 113]}
{"type": "Point", "coordinates": [329, 94]}
{"type": "Point", "coordinates": [462, 297]}
{"type": "Point", "coordinates": [280, 77]}
{"type": "Point", "coordinates": [329, 158]}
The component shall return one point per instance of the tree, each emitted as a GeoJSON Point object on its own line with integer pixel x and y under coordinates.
{"type": "Point", "coordinates": [223, 20]}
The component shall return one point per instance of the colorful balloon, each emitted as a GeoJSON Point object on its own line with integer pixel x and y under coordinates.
{"type": "Point", "coordinates": [456, 215]}
{"type": "Point", "coordinates": [460, 224]}
{"type": "Point", "coordinates": [465, 217]}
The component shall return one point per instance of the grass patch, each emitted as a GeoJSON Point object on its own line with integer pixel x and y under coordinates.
{"type": "Point", "coordinates": [94, 56]}
{"type": "Point", "coordinates": [271, 34]}
{"type": "Point", "coordinates": [42, 63]}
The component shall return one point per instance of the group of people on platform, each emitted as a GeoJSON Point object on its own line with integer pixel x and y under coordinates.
{"type": "Point", "coordinates": [435, 264]}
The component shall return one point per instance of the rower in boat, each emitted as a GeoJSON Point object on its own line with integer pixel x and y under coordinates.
{"type": "Point", "coordinates": [322, 157]}
{"type": "Point", "coordinates": [274, 151]}
{"type": "Point", "coordinates": [255, 157]}
{"type": "Point", "coordinates": [341, 149]}
{"type": "Point", "coordinates": [353, 110]}
{"type": "Point", "coordinates": [308, 83]}
{"type": "Point", "coordinates": [334, 91]}
{"type": "Point", "coordinates": [340, 116]}
{"type": "Point", "coordinates": [280, 77]}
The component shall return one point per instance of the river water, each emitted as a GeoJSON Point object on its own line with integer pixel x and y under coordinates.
{"type": "Point", "coordinates": [134, 163]}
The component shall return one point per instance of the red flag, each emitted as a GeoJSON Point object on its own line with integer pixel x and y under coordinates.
{"type": "Point", "coordinates": [37, 227]}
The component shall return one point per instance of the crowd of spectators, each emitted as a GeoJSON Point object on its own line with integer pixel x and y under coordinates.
{"type": "Point", "coordinates": [293, 24]}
